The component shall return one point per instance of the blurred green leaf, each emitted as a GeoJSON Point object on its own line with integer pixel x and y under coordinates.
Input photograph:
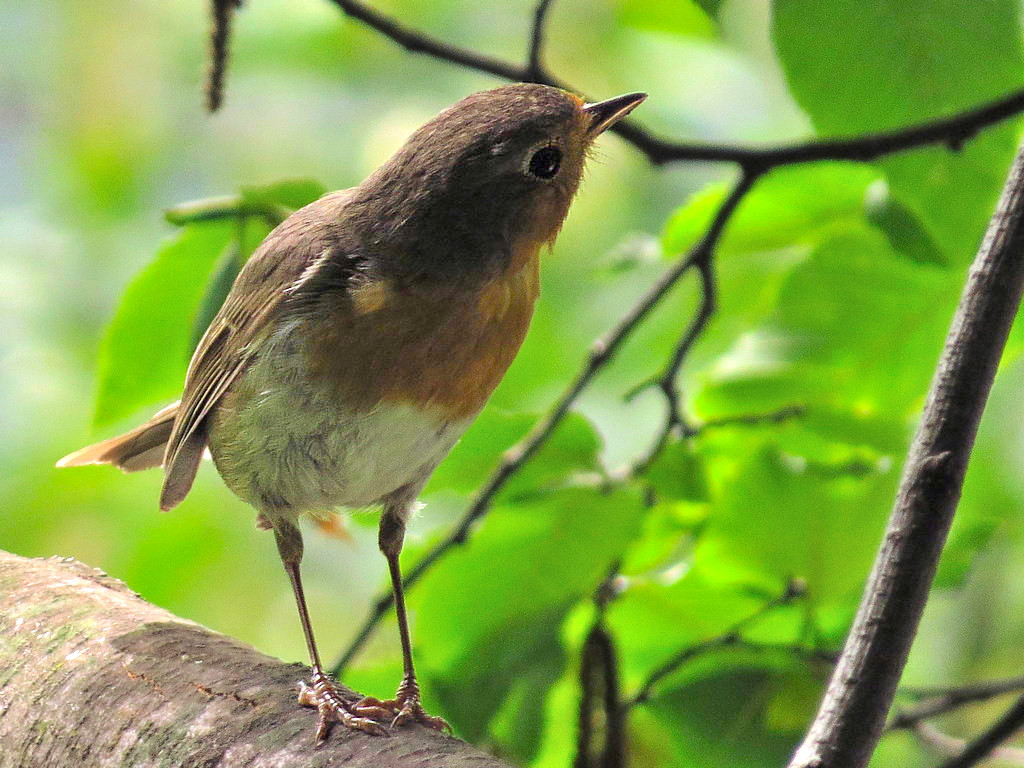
{"type": "Point", "coordinates": [573, 447]}
{"type": "Point", "coordinates": [224, 274]}
{"type": "Point", "coordinates": [681, 17]}
{"type": "Point", "coordinates": [479, 451]}
{"type": "Point", "coordinates": [678, 473]}
{"type": "Point", "coordinates": [791, 206]}
{"type": "Point", "coordinates": [902, 227]}
{"type": "Point", "coordinates": [856, 331]}
{"type": "Point", "coordinates": [145, 350]}
{"type": "Point", "coordinates": [528, 564]}
{"type": "Point", "coordinates": [783, 520]}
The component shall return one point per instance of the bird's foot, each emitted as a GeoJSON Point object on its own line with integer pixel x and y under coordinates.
{"type": "Point", "coordinates": [334, 707]}
{"type": "Point", "coordinates": [404, 708]}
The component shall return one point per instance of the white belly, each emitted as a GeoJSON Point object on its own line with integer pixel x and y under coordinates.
{"type": "Point", "coordinates": [292, 446]}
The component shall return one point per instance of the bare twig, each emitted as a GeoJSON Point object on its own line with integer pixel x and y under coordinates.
{"type": "Point", "coordinates": [534, 65]}
{"type": "Point", "coordinates": [852, 714]}
{"type": "Point", "coordinates": [226, 207]}
{"type": "Point", "coordinates": [954, 130]}
{"type": "Point", "coordinates": [599, 670]}
{"type": "Point", "coordinates": [221, 12]}
{"type": "Point", "coordinates": [599, 667]}
{"type": "Point", "coordinates": [939, 701]}
{"type": "Point", "coordinates": [601, 351]}
{"type": "Point", "coordinates": [981, 747]}
{"type": "Point", "coordinates": [946, 745]}
{"type": "Point", "coordinates": [732, 637]}
{"type": "Point", "coordinates": [748, 419]}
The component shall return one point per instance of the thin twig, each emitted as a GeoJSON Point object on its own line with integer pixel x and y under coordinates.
{"type": "Point", "coordinates": [939, 701]}
{"type": "Point", "coordinates": [748, 419]}
{"type": "Point", "coordinates": [853, 712]}
{"type": "Point", "coordinates": [601, 351]}
{"type": "Point", "coordinates": [980, 747]}
{"type": "Point", "coordinates": [731, 637]}
{"type": "Point", "coordinates": [946, 745]}
{"type": "Point", "coordinates": [221, 12]}
{"type": "Point", "coordinates": [954, 130]}
{"type": "Point", "coordinates": [599, 661]}
{"type": "Point", "coordinates": [534, 65]}
{"type": "Point", "coordinates": [599, 668]}
{"type": "Point", "coordinates": [226, 207]}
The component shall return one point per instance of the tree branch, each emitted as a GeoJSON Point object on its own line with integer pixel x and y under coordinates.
{"type": "Point", "coordinates": [985, 743]}
{"type": "Point", "coordinates": [953, 130]}
{"type": "Point", "coordinates": [533, 58]}
{"type": "Point", "coordinates": [852, 714]}
{"type": "Point", "coordinates": [94, 676]}
{"type": "Point", "coordinates": [939, 701]}
{"type": "Point", "coordinates": [948, 745]}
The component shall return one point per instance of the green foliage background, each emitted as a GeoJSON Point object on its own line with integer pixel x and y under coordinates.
{"type": "Point", "coordinates": [837, 282]}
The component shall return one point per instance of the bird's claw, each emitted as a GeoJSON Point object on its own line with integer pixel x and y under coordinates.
{"type": "Point", "coordinates": [324, 695]}
{"type": "Point", "coordinates": [404, 708]}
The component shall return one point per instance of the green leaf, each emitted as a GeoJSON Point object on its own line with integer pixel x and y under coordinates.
{"type": "Point", "coordinates": [902, 227]}
{"type": "Point", "coordinates": [224, 274]}
{"type": "Point", "coordinates": [854, 337]}
{"type": "Point", "coordinates": [680, 17]}
{"type": "Point", "coordinates": [479, 451]}
{"type": "Point", "coordinates": [791, 206]}
{"type": "Point", "coordinates": [145, 351]}
{"type": "Point", "coordinates": [498, 604]}
{"type": "Point", "coordinates": [678, 473]}
{"type": "Point", "coordinates": [574, 447]}
{"type": "Point", "coordinates": [783, 519]}
{"type": "Point", "coordinates": [860, 66]}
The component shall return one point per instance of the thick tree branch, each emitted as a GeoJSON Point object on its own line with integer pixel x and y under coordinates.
{"type": "Point", "coordinates": [852, 714]}
{"type": "Point", "coordinates": [94, 676]}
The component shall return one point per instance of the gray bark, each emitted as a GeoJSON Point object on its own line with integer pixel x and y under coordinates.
{"type": "Point", "coordinates": [91, 675]}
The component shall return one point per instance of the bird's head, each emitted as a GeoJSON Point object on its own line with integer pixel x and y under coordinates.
{"type": "Point", "coordinates": [491, 175]}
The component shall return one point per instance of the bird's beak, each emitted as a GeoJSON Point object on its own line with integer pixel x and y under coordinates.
{"type": "Point", "coordinates": [604, 114]}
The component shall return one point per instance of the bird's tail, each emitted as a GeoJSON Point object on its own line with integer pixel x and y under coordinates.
{"type": "Point", "coordinates": [142, 448]}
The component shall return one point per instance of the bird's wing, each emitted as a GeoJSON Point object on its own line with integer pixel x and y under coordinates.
{"type": "Point", "coordinates": [292, 258]}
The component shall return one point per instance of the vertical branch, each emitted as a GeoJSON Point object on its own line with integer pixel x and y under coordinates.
{"type": "Point", "coordinates": [534, 66]}
{"type": "Point", "coordinates": [852, 714]}
{"type": "Point", "coordinates": [220, 33]}
{"type": "Point", "coordinates": [599, 670]}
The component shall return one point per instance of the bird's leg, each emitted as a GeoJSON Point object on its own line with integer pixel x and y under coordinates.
{"type": "Point", "coordinates": [321, 692]}
{"type": "Point", "coordinates": [406, 704]}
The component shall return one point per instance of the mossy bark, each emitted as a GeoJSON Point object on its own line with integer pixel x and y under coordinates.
{"type": "Point", "coordinates": [92, 675]}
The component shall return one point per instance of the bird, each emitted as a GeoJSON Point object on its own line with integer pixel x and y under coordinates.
{"type": "Point", "coordinates": [365, 334]}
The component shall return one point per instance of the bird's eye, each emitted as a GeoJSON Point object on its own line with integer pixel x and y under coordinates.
{"type": "Point", "coordinates": [545, 161]}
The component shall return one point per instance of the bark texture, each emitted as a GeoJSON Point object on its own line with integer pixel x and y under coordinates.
{"type": "Point", "coordinates": [93, 676]}
{"type": "Point", "coordinates": [853, 711]}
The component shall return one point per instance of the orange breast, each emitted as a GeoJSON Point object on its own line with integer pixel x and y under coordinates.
{"type": "Point", "coordinates": [446, 353]}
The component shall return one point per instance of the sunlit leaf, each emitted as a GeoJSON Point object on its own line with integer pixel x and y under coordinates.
{"type": "Point", "coordinates": [146, 348]}
{"type": "Point", "coordinates": [897, 64]}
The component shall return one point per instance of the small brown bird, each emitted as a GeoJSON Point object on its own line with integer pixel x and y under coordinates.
{"type": "Point", "coordinates": [366, 333]}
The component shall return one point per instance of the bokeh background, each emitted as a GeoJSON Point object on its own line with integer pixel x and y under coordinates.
{"type": "Point", "coordinates": [837, 283]}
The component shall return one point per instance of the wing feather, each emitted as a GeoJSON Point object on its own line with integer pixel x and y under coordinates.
{"type": "Point", "coordinates": [292, 257]}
